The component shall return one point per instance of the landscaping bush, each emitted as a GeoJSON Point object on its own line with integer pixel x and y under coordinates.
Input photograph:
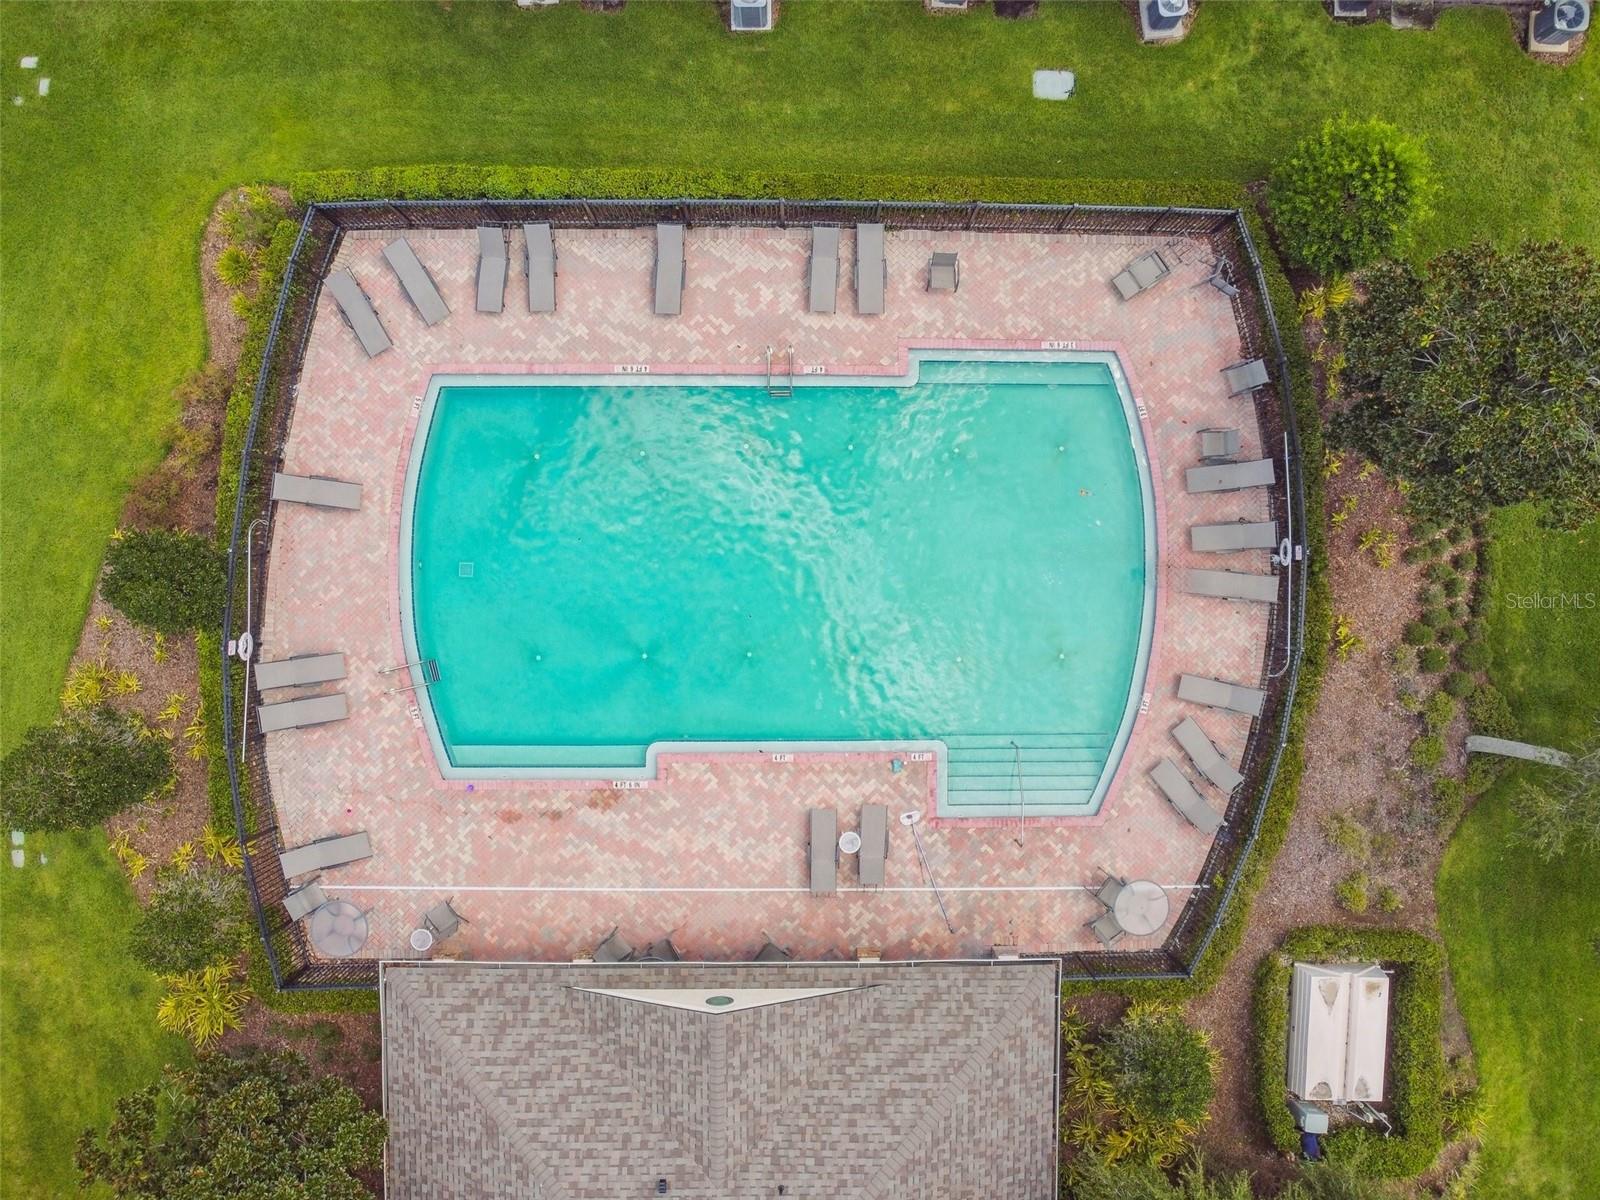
{"type": "Point", "coordinates": [1449, 798]}
{"type": "Point", "coordinates": [1456, 635]}
{"type": "Point", "coordinates": [1458, 535]}
{"type": "Point", "coordinates": [1490, 713]}
{"type": "Point", "coordinates": [1474, 656]}
{"type": "Point", "coordinates": [1460, 684]}
{"type": "Point", "coordinates": [1421, 552]}
{"type": "Point", "coordinates": [1440, 572]}
{"type": "Point", "coordinates": [1482, 771]}
{"type": "Point", "coordinates": [1389, 898]}
{"type": "Point", "coordinates": [78, 771]}
{"type": "Point", "coordinates": [155, 499]}
{"type": "Point", "coordinates": [1431, 595]}
{"type": "Point", "coordinates": [170, 582]}
{"type": "Point", "coordinates": [1467, 560]}
{"type": "Point", "coordinates": [1427, 751]}
{"type": "Point", "coordinates": [1437, 618]}
{"type": "Point", "coordinates": [1454, 587]}
{"type": "Point", "coordinates": [1439, 711]}
{"type": "Point", "coordinates": [1163, 1070]}
{"type": "Point", "coordinates": [1434, 658]}
{"type": "Point", "coordinates": [234, 266]}
{"type": "Point", "coordinates": [1417, 633]}
{"type": "Point", "coordinates": [1349, 194]}
{"type": "Point", "coordinates": [1351, 892]}
{"type": "Point", "coordinates": [194, 918]}
{"type": "Point", "coordinates": [1424, 528]}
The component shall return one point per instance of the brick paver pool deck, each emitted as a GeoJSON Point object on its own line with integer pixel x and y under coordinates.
{"type": "Point", "coordinates": [713, 852]}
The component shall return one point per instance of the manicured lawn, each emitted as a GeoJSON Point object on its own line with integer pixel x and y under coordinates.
{"type": "Point", "coordinates": [1521, 934]}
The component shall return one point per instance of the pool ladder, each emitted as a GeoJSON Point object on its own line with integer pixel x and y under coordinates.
{"type": "Point", "coordinates": [428, 671]}
{"type": "Point", "coordinates": [781, 385]}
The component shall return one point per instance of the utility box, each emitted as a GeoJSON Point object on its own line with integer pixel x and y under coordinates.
{"type": "Point", "coordinates": [1308, 1116]}
{"type": "Point", "coordinates": [1553, 25]}
{"type": "Point", "coordinates": [750, 16]}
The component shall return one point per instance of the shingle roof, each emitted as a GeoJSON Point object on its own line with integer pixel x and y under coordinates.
{"type": "Point", "coordinates": [924, 1080]}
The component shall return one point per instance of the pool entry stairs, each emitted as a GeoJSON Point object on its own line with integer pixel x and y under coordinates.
{"type": "Point", "coordinates": [1001, 775]}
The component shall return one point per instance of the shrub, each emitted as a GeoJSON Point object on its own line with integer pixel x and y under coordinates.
{"type": "Point", "coordinates": [1424, 528]}
{"type": "Point", "coordinates": [154, 501]}
{"type": "Point", "coordinates": [1560, 807]}
{"type": "Point", "coordinates": [171, 582]}
{"type": "Point", "coordinates": [1453, 587]}
{"type": "Point", "coordinates": [1460, 684]}
{"type": "Point", "coordinates": [1417, 633]}
{"type": "Point", "coordinates": [1458, 610]}
{"type": "Point", "coordinates": [1467, 560]}
{"type": "Point", "coordinates": [76, 772]}
{"type": "Point", "coordinates": [1432, 594]}
{"type": "Point", "coordinates": [234, 266]}
{"type": "Point", "coordinates": [1162, 1069]}
{"type": "Point", "coordinates": [1403, 659]}
{"type": "Point", "coordinates": [1440, 573]}
{"type": "Point", "coordinates": [1351, 893]}
{"type": "Point", "coordinates": [1346, 834]}
{"type": "Point", "coordinates": [1439, 711]}
{"type": "Point", "coordinates": [1434, 658]}
{"type": "Point", "coordinates": [202, 1005]}
{"type": "Point", "coordinates": [1449, 798]}
{"type": "Point", "coordinates": [1457, 635]}
{"type": "Point", "coordinates": [1350, 194]}
{"type": "Point", "coordinates": [1389, 899]}
{"type": "Point", "coordinates": [194, 918]}
{"type": "Point", "coordinates": [1427, 751]}
{"type": "Point", "coordinates": [1490, 713]}
{"type": "Point", "coordinates": [1474, 656]}
{"type": "Point", "coordinates": [1437, 618]}
{"type": "Point", "coordinates": [1458, 535]}
{"type": "Point", "coordinates": [1482, 771]}
{"type": "Point", "coordinates": [1417, 553]}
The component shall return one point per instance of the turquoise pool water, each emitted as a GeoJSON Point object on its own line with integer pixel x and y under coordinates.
{"type": "Point", "coordinates": [963, 560]}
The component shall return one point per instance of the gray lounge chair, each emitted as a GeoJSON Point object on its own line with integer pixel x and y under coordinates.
{"type": "Point", "coordinates": [1107, 929]}
{"type": "Point", "coordinates": [300, 671]}
{"type": "Point", "coordinates": [661, 951]}
{"type": "Point", "coordinates": [1232, 585]}
{"type": "Point", "coordinates": [442, 920]}
{"type": "Point", "coordinates": [1245, 376]}
{"type": "Point", "coordinates": [1214, 693]}
{"type": "Point", "coordinates": [1175, 786]}
{"type": "Point", "coordinates": [823, 851]}
{"type": "Point", "coordinates": [1219, 445]}
{"type": "Point", "coordinates": [416, 282]}
{"type": "Point", "coordinates": [1230, 477]}
{"type": "Point", "coordinates": [1110, 890]}
{"type": "Point", "coordinates": [541, 267]}
{"type": "Point", "coordinates": [316, 490]}
{"type": "Point", "coordinates": [871, 270]}
{"type": "Point", "coordinates": [304, 901]}
{"type": "Point", "coordinates": [613, 949]}
{"type": "Point", "coordinates": [325, 854]}
{"type": "Point", "coordinates": [1236, 535]}
{"type": "Point", "coordinates": [298, 714]}
{"type": "Point", "coordinates": [491, 268]}
{"type": "Point", "coordinates": [822, 270]}
{"type": "Point", "coordinates": [944, 271]}
{"type": "Point", "coordinates": [358, 312]}
{"type": "Point", "coordinates": [667, 276]}
{"type": "Point", "coordinates": [1141, 274]}
{"type": "Point", "coordinates": [874, 844]}
{"type": "Point", "coordinates": [772, 952]}
{"type": "Point", "coordinates": [1205, 756]}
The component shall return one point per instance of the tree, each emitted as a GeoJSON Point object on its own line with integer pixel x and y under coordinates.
{"type": "Point", "coordinates": [171, 582]}
{"type": "Point", "coordinates": [1562, 807]}
{"type": "Point", "coordinates": [236, 1128]}
{"type": "Point", "coordinates": [80, 770]}
{"type": "Point", "coordinates": [1350, 194]}
{"type": "Point", "coordinates": [193, 919]}
{"type": "Point", "coordinates": [1478, 384]}
{"type": "Point", "coordinates": [1161, 1069]}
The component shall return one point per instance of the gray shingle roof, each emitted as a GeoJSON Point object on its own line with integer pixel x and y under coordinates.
{"type": "Point", "coordinates": [927, 1080]}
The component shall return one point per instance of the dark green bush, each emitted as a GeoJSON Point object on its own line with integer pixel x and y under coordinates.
{"type": "Point", "coordinates": [1420, 552]}
{"type": "Point", "coordinates": [1482, 771]}
{"type": "Point", "coordinates": [1467, 560]}
{"type": "Point", "coordinates": [1454, 587]}
{"type": "Point", "coordinates": [1460, 684]}
{"type": "Point", "coordinates": [1457, 635]}
{"type": "Point", "coordinates": [1490, 713]}
{"type": "Point", "coordinates": [1433, 658]}
{"type": "Point", "coordinates": [1449, 797]}
{"type": "Point", "coordinates": [1437, 618]}
{"type": "Point", "coordinates": [1459, 534]}
{"type": "Point", "coordinates": [80, 770]}
{"type": "Point", "coordinates": [1417, 633]}
{"type": "Point", "coordinates": [1439, 572]}
{"type": "Point", "coordinates": [1439, 711]}
{"type": "Point", "coordinates": [193, 919]}
{"type": "Point", "coordinates": [171, 582]}
{"type": "Point", "coordinates": [1424, 528]}
{"type": "Point", "coordinates": [1162, 1070]}
{"type": "Point", "coordinates": [1427, 751]}
{"type": "Point", "coordinates": [1431, 595]}
{"type": "Point", "coordinates": [1474, 656]}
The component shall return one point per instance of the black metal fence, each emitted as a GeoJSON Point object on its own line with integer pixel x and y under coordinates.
{"type": "Point", "coordinates": [1226, 238]}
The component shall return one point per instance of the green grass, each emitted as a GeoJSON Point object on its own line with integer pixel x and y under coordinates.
{"type": "Point", "coordinates": [1521, 934]}
{"type": "Point", "coordinates": [79, 1012]}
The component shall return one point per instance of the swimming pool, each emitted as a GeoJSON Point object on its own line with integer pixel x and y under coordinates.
{"type": "Point", "coordinates": [959, 562]}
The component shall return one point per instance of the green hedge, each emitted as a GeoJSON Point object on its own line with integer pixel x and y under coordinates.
{"type": "Point", "coordinates": [1416, 1080]}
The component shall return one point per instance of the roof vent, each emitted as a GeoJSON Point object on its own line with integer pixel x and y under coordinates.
{"type": "Point", "coordinates": [749, 16]}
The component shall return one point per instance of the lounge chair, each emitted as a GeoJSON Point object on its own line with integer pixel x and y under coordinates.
{"type": "Point", "coordinates": [300, 671]}
{"type": "Point", "coordinates": [357, 312]}
{"type": "Point", "coordinates": [1175, 786]}
{"type": "Point", "coordinates": [668, 274]}
{"type": "Point", "coordinates": [822, 269]}
{"type": "Point", "coordinates": [1230, 477]}
{"type": "Point", "coordinates": [823, 851]}
{"type": "Point", "coordinates": [304, 901]}
{"type": "Point", "coordinates": [491, 268]}
{"type": "Point", "coordinates": [1205, 756]}
{"type": "Point", "coordinates": [325, 854]}
{"type": "Point", "coordinates": [1107, 929]}
{"type": "Point", "coordinates": [298, 714]}
{"type": "Point", "coordinates": [613, 949]}
{"type": "Point", "coordinates": [1214, 693]}
{"type": "Point", "coordinates": [661, 951]}
{"type": "Point", "coordinates": [1141, 274]}
{"type": "Point", "coordinates": [442, 920]}
{"type": "Point", "coordinates": [1236, 535]}
{"type": "Point", "coordinates": [1232, 585]}
{"type": "Point", "coordinates": [871, 270]}
{"type": "Point", "coordinates": [541, 267]}
{"type": "Point", "coordinates": [316, 490]}
{"type": "Point", "coordinates": [1110, 890]}
{"type": "Point", "coordinates": [1219, 445]}
{"type": "Point", "coordinates": [1245, 376]}
{"type": "Point", "coordinates": [944, 271]}
{"type": "Point", "coordinates": [772, 952]}
{"type": "Point", "coordinates": [416, 282]}
{"type": "Point", "coordinates": [874, 844]}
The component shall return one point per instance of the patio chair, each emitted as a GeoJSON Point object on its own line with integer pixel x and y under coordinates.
{"type": "Point", "coordinates": [1230, 477]}
{"type": "Point", "coordinates": [1219, 445]}
{"type": "Point", "coordinates": [325, 853]}
{"type": "Point", "coordinates": [822, 269]}
{"type": "Point", "coordinates": [301, 714]}
{"type": "Point", "coordinates": [304, 901]}
{"type": "Point", "coordinates": [1236, 535]}
{"type": "Point", "coordinates": [491, 268]}
{"type": "Point", "coordinates": [871, 270]}
{"type": "Point", "coordinates": [357, 312]}
{"type": "Point", "coordinates": [1214, 693]}
{"type": "Point", "coordinates": [669, 272]}
{"type": "Point", "coordinates": [944, 271]}
{"type": "Point", "coordinates": [661, 951]}
{"type": "Point", "coordinates": [318, 491]}
{"type": "Point", "coordinates": [300, 671]}
{"type": "Point", "coordinates": [442, 920]}
{"type": "Point", "coordinates": [1106, 928]}
{"type": "Point", "coordinates": [416, 282]}
{"type": "Point", "coordinates": [771, 951]}
{"type": "Point", "coordinates": [1110, 889]}
{"type": "Point", "coordinates": [823, 850]}
{"type": "Point", "coordinates": [1232, 585]}
{"type": "Point", "coordinates": [541, 253]}
{"type": "Point", "coordinates": [874, 844]}
{"type": "Point", "coordinates": [1245, 376]}
{"type": "Point", "coordinates": [1142, 274]}
{"type": "Point", "coordinates": [613, 949]}
{"type": "Point", "coordinates": [1181, 794]}
{"type": "Point", "coordinates": [1205, 756]}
